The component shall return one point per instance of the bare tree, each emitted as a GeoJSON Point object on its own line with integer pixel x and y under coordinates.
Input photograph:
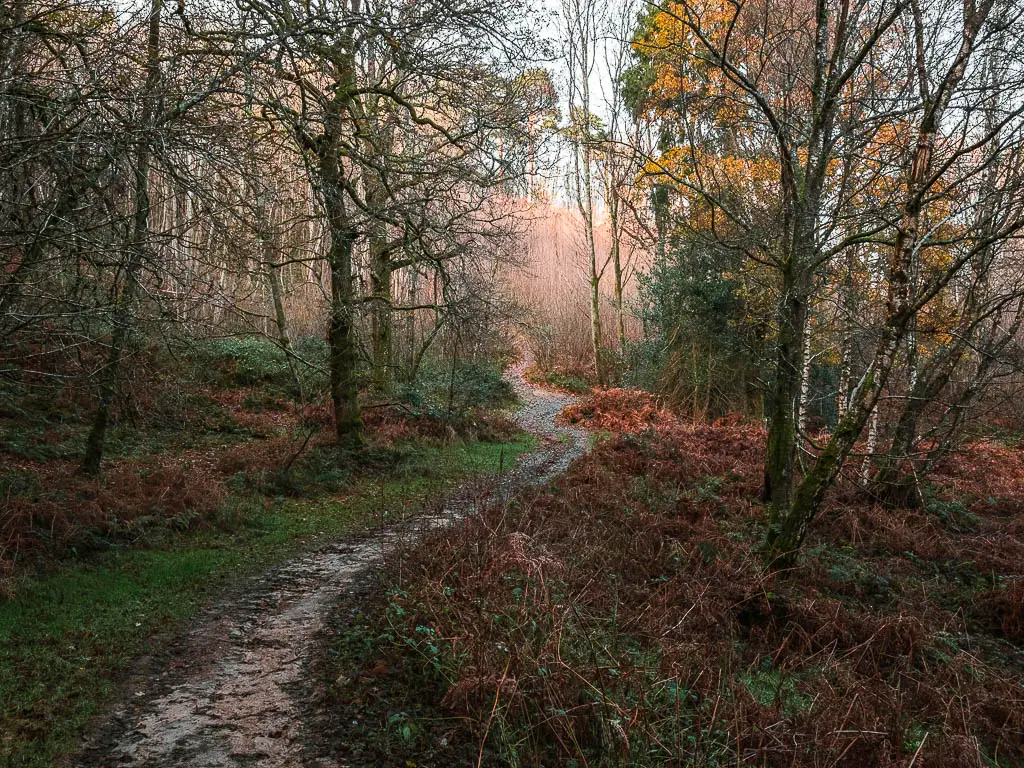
{"type": "Point", "coordinates": [582, 27]}
{"type": "Point", "coordinates": [815, 130]}
{"type": "Point", "coordinates": [126, 293]}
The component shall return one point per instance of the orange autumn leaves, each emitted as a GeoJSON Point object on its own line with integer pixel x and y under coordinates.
{"type": "Point", "coordinates": [717, 148]}
{"type": "Point", "coordinates": [676, 48]}
{"type": "Point", "coordinates": [617, 410]}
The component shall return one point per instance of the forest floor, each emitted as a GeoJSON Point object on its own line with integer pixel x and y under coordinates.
{"type": "Point", "coordinates": [235, 690]}
{"type": "Point", "coordinates": [622, 615]}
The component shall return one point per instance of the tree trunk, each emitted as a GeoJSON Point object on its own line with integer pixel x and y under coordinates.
{"type": "Point", "coordinates": [869, 449]}
{"type": "Point", "coordinates": [341, 339]}
{"type": "Point", "coordinates": [805, 385]}
{"type": "Point", "coordinates": [659, 203]}
{"type": "Point", "coordinates": [782, 399]}
{"type": "Point", "coordinates": [784, 545]}
{"type": "Point", "coordinates": [842, 396]}
{"type": "Point", "coordinates": [410, 323]}
{"type": "Point", "coordinates": [845, 348]}
{"type": "Point", "coordinates": [12, 17]}
{"type": "Point", "coordinates": [893, 484]}
{"type": "Point", "coordinates": [586, 203]}
{"type": "Point", "coordinates": [377, 144]}
{"type": "Point", "coordinates": [595, 324]}
{"type": "Point", "coordinates": [381, 299]}
{"type": "Point", "coordinates": [787, 534]}
{"type": "Point", "coordinates": [580, 47]}
{"type": "Point", "coordinates": [613, 216]}
{"type": "Point", "coordinates": [123, 310]}
{"type": "Point", "coordinates": [280, 318]}
{"type": "Point", "coordinates": [341, 327]}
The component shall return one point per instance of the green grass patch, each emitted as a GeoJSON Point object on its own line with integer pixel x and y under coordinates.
{"type": "Point", "coordinates": [67, 636]}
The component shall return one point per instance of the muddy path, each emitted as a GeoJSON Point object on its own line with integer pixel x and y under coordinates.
{"type": "Point", "coordinates": [233, 692]}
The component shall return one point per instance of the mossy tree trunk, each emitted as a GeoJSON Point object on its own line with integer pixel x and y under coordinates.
{"type": "Point", "coordinates": [783, 396]}
{"type": "Point", "coordinates": [331, 168]}
{"type": "Point", "coordinates": [341, 326]}
{"type": "Point", "coordinates": [381, 269]}
{"type": "Point", "coordinates": [341, 340]}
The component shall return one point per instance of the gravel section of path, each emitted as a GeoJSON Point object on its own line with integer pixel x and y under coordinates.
{"type": "Point", "coordinates": [232, 694]}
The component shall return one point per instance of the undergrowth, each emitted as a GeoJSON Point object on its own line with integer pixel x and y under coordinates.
{"type": "Point", "coordinates": [573, 382]}
{"type": "Point", "coordinates": [622, 617]}
{"type": "Point", "coordinates": [180, 446]}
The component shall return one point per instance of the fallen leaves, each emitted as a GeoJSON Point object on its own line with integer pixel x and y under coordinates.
{"type": "Point", "coordinates": [617, 410]}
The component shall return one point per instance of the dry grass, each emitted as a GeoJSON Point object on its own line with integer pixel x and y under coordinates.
{"type": "Point", "coordinates": [617, 410]}
{"type": "Point", "coordinates": [624, 617]}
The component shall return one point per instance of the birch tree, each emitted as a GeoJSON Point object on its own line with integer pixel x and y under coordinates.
{"type": "Point", "coordinates": [770, 153]}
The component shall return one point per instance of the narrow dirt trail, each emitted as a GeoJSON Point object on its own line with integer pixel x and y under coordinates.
{"type": "Point", "coordinates": [231, 697]}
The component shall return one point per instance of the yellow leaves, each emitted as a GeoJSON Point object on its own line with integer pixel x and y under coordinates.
{"type": "Point", "coordinates": [683, 59]}
{"type": "Point", "coordinates": [673, 27]}
{"type": "Point", "coordinates": [729, 177]}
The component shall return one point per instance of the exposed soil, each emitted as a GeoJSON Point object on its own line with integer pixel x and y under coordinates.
{"type": "Point", "coordinates": [233, 691]}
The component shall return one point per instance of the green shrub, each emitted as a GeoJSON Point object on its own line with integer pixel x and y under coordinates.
{"type": "Point", "coordinates": [246, 361]}
{"type": "Point", "coordinates": [243, 361]}
{"type": "Point", "coordinates": [952, 514]}
{"type": "Point", "coordinates": [453, 392]}
{"type": "Point", "coordinates": [567, 381]}
{"type": "Point", "coordinates": [644, 361]}
{"type": "Point", "coordinates": [313, 355]}
{"type": "Point", "coordinates": [700, 347]}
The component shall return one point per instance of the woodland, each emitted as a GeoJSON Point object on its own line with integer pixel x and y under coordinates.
{"type": "Point", "coordinates": [566, 383]}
